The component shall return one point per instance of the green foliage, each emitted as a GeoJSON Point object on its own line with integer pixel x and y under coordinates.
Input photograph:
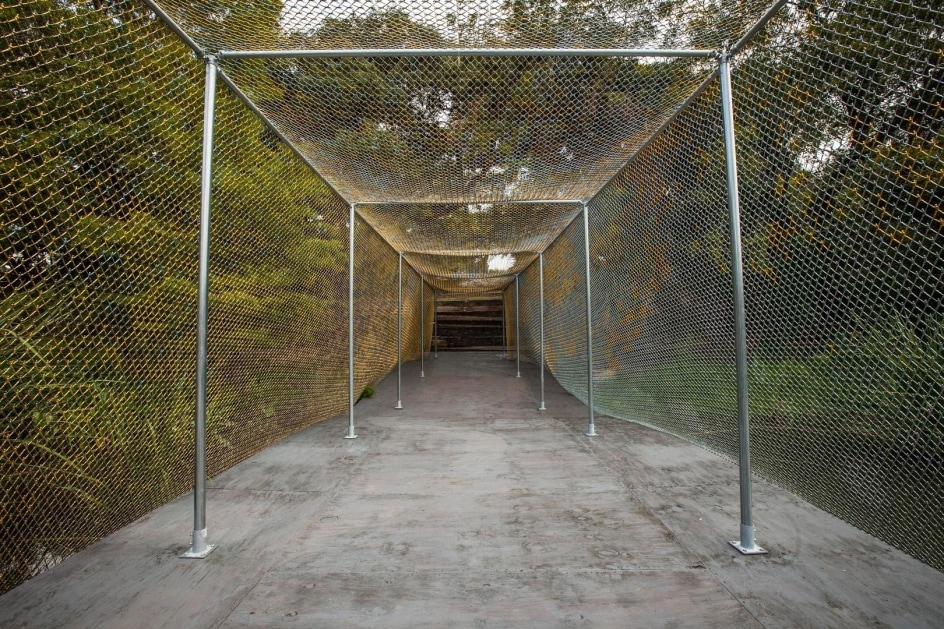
{"type": "Point", "coordinates": [368, 392]}
{"type": "Point", "coordinates": [100, 134]}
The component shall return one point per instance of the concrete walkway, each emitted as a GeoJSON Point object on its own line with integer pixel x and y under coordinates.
{"type": "Point", "coordinates": [471, 508]}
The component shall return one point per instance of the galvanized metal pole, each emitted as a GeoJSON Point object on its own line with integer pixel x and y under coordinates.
{"type": "Point", "coordinates": [198, 543]}
{"type": "Point", "coordinates": [350, 327]}
{"type": "Point", "coordinates": [504, 353]}
{"type": "Point", "coordinates": [399, 405]}
{"type": "Point", "coordinates": [465, 52]}
{"type": "Point", "coordinates": [435, 323]}
{"type": "Point", "coordinates": [541, 278]}
{"type": "Point", "coordinates": [422, 326]}
{"type": "Point", "coordinates": [746, 544]}
{"type": "Point", "coordinates": [591, 429]}
{"type": "Point", "coordinates": [517, 332]}
{"type": "Point", "coordinates": [494, 202]}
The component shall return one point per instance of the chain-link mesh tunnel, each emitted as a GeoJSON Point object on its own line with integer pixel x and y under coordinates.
{"type": "Point", "coordinates": [366, 158]}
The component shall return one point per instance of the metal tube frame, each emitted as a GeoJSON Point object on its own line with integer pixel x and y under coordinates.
{"type": "Point", "coordinates": [466, 52]}
{"type": "Point", "coordinates": [746, 544]}
{"type": "Point", "coordinates": [350, 326]}
{"type": "Point", "coordinates": [422, 327]}
{"type": "Point", "coordinates": [591, 429]}
{"type": "Point", "coordinates": [505, 202]}
{"type": "Point", "coordinates": [541, 362]}
{"type": "Point", "coordinates": [517, 332]}
{"type": "Point", "coordinates": [199, 548]}
{"type": "Point", "coordinates": [399, 405]}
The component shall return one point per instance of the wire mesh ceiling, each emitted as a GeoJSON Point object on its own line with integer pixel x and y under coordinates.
{"type": "Point", "coordinates": [467, 130]}
{"type": "Point", "coordinates": [499, 101]}
{"type": "Point", "coordinates": [330, 24]}
{"type": "Point", "coordinates": [470, 267]}
{"type": "Point", "coordinates": [469, 229]}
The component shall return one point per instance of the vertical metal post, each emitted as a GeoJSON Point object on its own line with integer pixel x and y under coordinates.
{"type": "Point", "coordinates": [517, 332]}
{"type": "Point", "coordinates": [591, 430]}
{"type": "Point", "coordinates": [422, 326]}
{"type": "Point", "coordinates": [350, 327]}
{"type": "Point", "coordinates": [435, 323]}
{"type": "Point", "coordinates": [541, 363]}
{"type": "Point", "coordinates": [399, 405]}
{"type": "Point", "coordinates": [746, 545]}
{"type": "Point", "coordinates": [198, 543]}
{"type": "Point", "coordinates": [504, 353]}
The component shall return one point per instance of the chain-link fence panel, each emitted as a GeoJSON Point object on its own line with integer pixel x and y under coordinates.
{"type": "Point", "coordinates": [661, 291]}
{"type": "Point", "coordinates": [278, 259]}
{"type": "Point", "coordinates": [380, 24]}
{"type": "Point", "coordinates": [841, 155]}
{"type": "Point", "coordinates": [101, 141]}
{"type": "Point", "coordinates": [467, 130]}
{"type": "Point", "coordinates": [100, 119]}
{"type": "Point", "coordinates": [838, 113]}
{"type": "Point", "coordinates": [476, 229]}
{"type": "Point", "coordinates": [508, 321]}
{"type": "Point", "coordinates": [375, 309]}
{"type": "Point", "coordinates": [529, 333]}
{"type": "Point", "coordinates": [565, 310]}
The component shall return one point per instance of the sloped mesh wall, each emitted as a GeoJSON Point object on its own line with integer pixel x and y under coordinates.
{"type": "Point", "coordinates": [530, 313]}
{"type": "Point", "coordinates": [840, 146]}
{"type": "Point", "coordinates": [100, 139]}
{"type": "Point", "coordinates": [565, 310]}
{"type": "Point", "coordinates": [375, 313]}
{"type": "Point", "coordinates": [841, 132]}
{"type": "Point", "coordinates": [662, 294]}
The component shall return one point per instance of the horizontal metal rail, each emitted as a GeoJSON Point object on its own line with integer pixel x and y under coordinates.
{"type": "Point", "coordinates": [504, 202]}
{"type": "Point", "coordinates": [465, 253]}
{"type": "Point", "coordinates": [474, 276]}
{"type": "Point", "coordinates": [463, 52]}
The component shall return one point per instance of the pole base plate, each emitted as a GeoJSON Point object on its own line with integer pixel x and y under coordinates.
{"type": "Point", "coordinates": [755, 550]}
{"type": "Point", "coordinates": [350, 436]}
{"type": "Point", "coordinates": [542, 408]}
{"type": "Point", "coordinates": [190, 554]}
{"type": "Point", "coordinates": [399, 406]}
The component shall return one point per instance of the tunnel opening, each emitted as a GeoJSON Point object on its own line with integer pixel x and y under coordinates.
{"type": "Point", "coordinates": [470, 323]}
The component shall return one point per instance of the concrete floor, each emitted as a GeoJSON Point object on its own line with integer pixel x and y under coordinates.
{"type": "Point", "coordinates": [471, 508]}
